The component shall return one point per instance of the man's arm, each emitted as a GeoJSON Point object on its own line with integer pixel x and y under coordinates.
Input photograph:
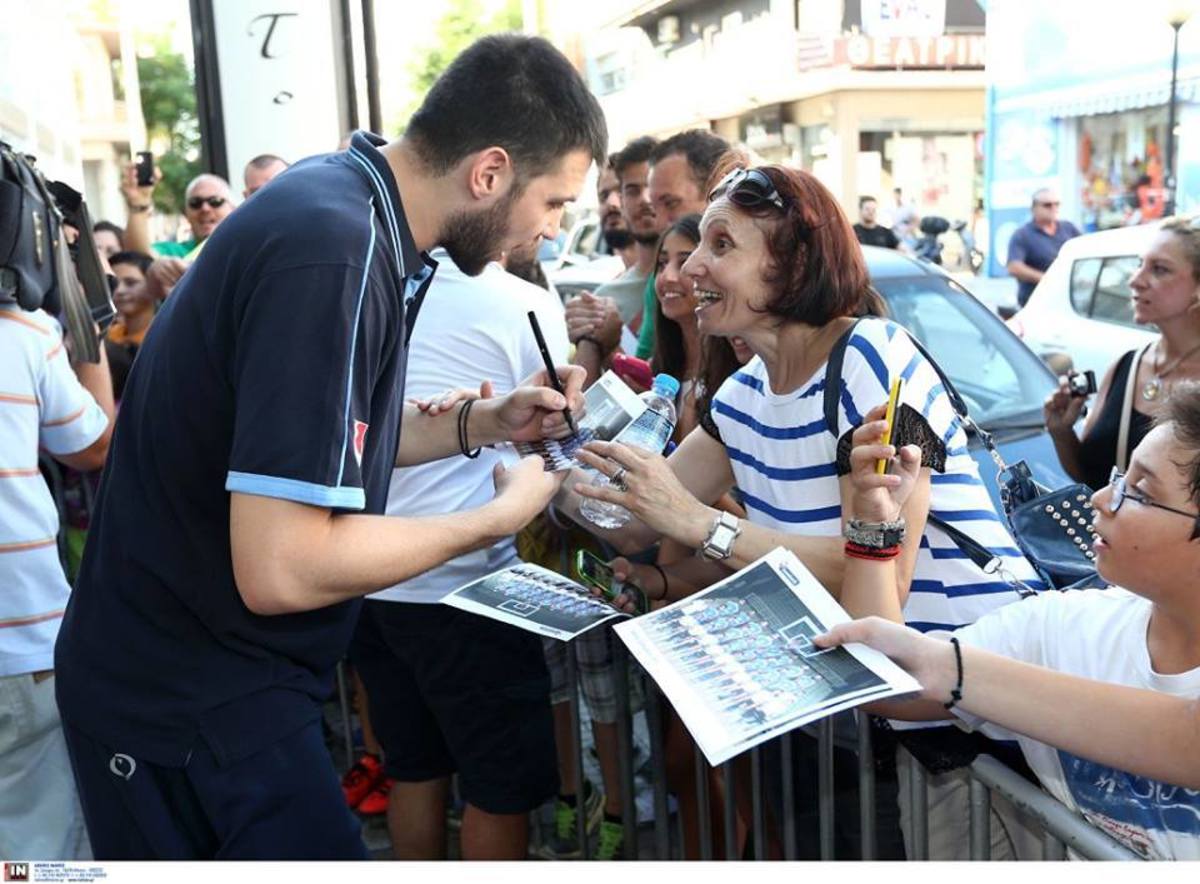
{"type": "Point", "coordinates": [97, 380]}
{"type": "Point", "coordinates": [532, 411]}
{"type": "Point", "coordinates": [289, 557]}
{"type": "Point", "coordinates": [1024, 272]}
{"type": "Point", "coordinates": [139, 202]}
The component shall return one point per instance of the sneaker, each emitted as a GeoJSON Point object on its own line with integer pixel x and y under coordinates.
{"type": "Point", "coordinates": [564, 844]}
{"type": "Point", "coordinates": [612, 841]}
{"type": "Point", "coordinates": [361, 779]}
{"type": "Point", "coordinates": [376, 802]}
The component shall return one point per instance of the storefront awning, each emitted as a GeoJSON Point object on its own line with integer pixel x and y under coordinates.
{"type": "Point", "coordinates": [1106, 96]}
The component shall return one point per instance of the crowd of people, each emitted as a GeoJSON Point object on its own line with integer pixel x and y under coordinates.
{"type": "Point", "coordinates": [311, 396]}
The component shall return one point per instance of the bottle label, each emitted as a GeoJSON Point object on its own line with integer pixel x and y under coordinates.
{"type": "Point", "coordinates": [650, 432]}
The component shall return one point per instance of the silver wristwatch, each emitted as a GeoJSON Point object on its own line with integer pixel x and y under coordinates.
{"type": "Point", "coordinates": [719, 543]}
{"type": "Point", "coordinates": [877, 535]}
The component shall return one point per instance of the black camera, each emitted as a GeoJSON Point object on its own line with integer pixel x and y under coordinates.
{"type": "Point", "coordinates": [49, 258]}
{"type": "Point", "coordinates": [1081, 383]}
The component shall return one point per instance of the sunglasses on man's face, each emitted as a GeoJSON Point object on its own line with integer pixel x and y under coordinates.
{"type": "Point", "coordinates": [1053, 205]}
{"type": "Point", "coordinates": [214, 202]}
{"type": "Point", "coordinates": [748, 188]}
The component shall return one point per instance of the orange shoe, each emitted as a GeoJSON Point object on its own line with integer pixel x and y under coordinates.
{"type": "Point", "coordinates": [376, 802]}
{"type": "Point", "coordinates": [360, 779]}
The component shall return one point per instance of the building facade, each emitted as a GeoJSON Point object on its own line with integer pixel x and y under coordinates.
{"type": "Point", "coordinates": [868, 95]}
{"type": "Point", "coordinates": [1079, 102]}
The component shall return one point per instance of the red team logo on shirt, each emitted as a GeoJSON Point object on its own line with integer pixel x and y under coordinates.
{"type": "Point", "coordinates": [360, 440]}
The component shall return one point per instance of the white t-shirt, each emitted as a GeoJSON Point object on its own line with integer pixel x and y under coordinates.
{"type": "Point", "coordinates": [1097, 634]}
{"type": "Point", "coordinates": [42, 405]}
{"type": "Point", "coordinates": [469, 329]}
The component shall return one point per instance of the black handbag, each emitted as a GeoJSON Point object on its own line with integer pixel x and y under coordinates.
{"type": "Point", "coordinates": [1053, 528]}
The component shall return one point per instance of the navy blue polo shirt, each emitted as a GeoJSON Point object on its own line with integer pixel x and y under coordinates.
{"type": "Point", "coordinates": [1033, 246]}
{"type": "Point", "coordinates": [275, 368]}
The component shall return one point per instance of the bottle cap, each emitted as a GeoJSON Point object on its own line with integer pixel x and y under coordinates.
{"type": "Point", "coordinates": [666, 385]}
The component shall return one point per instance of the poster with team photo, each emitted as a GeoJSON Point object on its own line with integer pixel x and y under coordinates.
{"type": "Point", "coordinates": [609, 407]}
{"type": "Point", "coordinates": [738, 663]}
{"type": "Point", "coordinates": [532, 598]}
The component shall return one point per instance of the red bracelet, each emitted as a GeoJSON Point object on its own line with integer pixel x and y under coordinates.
{"type": "Point", "coordinates": [871, 553]}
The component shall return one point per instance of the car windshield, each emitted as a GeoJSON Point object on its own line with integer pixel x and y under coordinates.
{"type": "Point", "coordinates": [1002, 381]}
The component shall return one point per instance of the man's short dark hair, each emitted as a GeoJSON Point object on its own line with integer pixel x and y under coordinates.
{"type": "Point", "coordinates": [863, 200]}
{"type": "Point", "coordinates": [114, 229]}
{"type": "Point", "coordinates": [510, 91]}
{"type": "Point", "coordinates": [140, 260]}
{"type": "Point", "coordinates": [266, 160]}
{"type": "Point", "coordinates": [701, 148]}
{"type": "Point", "coordinates": [635, 152]}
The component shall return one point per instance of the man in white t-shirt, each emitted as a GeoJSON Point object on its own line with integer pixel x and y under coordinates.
{"type": "Point", "coordinates": [451, 691]}
{"type": "Point", "coordinates": [1125, 759]}
{"type": "Point", "coordinates": [45, 404]}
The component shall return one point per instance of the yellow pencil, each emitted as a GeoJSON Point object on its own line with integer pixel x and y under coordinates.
{"type": "Point", "coordinates": [881, 465]}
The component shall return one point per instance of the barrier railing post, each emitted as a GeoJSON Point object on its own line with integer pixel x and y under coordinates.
{"type": "Point", "coordinates": [703, 807]}
{"type": "Point", "coordinates": [585, 849]}
{"type": "Point", "coordinates": [920, 807]}
{"type": "Point", "coordinates": [825, 785]}
{"type": "Point", "coordinates": [730, 806]}
{"type": "Point", "coordinates": [981, 820]}
{"type": "Point", "coordinates": [866, 787]}
{"type": "Point", "coordinates": [620, 658]}
{"type": "Point", "coordinates": [658, 763]}
{"type": "Point", "coordinates": [1053, 850]}
{"type": "Point", "coordinates": [344, 705]}
{"type": "Point", "coordinates": [790, 851]}
{"type": "Point", "coordinates": [757, 810]}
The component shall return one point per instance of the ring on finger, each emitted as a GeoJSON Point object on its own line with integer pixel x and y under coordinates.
{"type": "Point", "coordinates": [618, 478]}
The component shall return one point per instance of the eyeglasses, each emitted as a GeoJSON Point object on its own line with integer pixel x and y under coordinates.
{"type": "Point", "coordinates": [214, 202]}
{"type": "Point", "coordinates": [1121, 493]}
{"type": "Point", "coordinates": [748, 188]}
{"type": "Point", "coordinates": [1053, 205]}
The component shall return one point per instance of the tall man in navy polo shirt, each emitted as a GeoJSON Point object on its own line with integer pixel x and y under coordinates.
{"type": "Point", "coordinates": [1034, 247]}
{"type": "Point", "coordinates": [238, 526]}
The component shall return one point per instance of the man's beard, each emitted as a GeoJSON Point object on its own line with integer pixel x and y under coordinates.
{"type": "Point", "coordinates": [472, 239]}
{"type": "Point", "coordinates": [646, 239]}
{"type": "Point", "coordinates": [617, 238]}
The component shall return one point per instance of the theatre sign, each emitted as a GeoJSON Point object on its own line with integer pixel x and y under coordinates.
{"type": "Point", "coordinates": [946, 51]}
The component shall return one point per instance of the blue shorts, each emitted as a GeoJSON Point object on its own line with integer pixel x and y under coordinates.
{"type": "Point", "coordinates": [284, 802]}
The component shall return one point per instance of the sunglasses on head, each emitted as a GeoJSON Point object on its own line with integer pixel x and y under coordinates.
{"type": "Point", "coordinates": [214, 202]}
{"type": "Point", "coordinates": [748, 188]}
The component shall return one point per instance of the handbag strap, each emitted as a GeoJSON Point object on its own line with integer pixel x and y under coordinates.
{"type": "Point", "coordinates": [1127, 407]}
{"type": "Point", "coordinates": [974, 550]}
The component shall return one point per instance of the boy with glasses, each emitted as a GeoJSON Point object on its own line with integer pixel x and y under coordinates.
{"type": "Point", "coordinates": [1108, 715]}
{"type": "Point", "coordinates": [1034, 246]}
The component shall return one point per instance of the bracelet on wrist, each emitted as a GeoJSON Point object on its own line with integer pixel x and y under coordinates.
{"type": "Point", "coordinates": [463, 446]}
{"type": "Point", "coordinates": [665, 582]}
{"type": "Point", "coordinates": [956, 692]}
{"type": "Point", "coordinates": [871, 553]}
{"type": "Point", "coordinates": [138, 209]}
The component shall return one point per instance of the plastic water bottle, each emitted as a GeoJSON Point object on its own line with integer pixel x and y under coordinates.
{"type": "Point", "coordinates": [650, 432]}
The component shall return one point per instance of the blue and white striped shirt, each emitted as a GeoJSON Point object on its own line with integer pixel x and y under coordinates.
{"type": "Point", "coordinates": [784, 460]}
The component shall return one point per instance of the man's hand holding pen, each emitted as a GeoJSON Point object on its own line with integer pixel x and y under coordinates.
{"type": "Point", "coordinates": [532, 411]}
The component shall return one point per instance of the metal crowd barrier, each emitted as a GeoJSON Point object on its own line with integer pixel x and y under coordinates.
{"type": "Point", "coordinates": [1062, 828]}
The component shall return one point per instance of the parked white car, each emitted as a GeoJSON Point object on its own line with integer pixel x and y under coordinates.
{"type": "Point", "coordinates": [1082, 306]}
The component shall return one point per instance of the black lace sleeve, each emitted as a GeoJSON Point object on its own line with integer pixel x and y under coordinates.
{"type": "Point", "coordinates": [704, 418]}
{"type": "Point", "coordinates": [911, 429]}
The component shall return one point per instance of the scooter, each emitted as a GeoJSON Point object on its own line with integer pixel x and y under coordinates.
{"type": "Point", "coordinates": [928, 247]}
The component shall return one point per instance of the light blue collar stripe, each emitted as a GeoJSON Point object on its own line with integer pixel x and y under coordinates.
{"type": "Point", "coordinates": [296, 490]}
{"type": "Point", "coordinates": [381, 188]}
{"type": "Point", "coordinates": [362, 290]}
{"type": "Point", "coordinates": [388, 211]}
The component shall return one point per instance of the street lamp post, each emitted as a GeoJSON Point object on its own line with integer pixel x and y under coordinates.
{"type": "Point", "coordinates": [1176, 18]}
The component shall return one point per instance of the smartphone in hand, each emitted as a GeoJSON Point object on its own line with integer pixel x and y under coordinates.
{"type": "Point", "coordinates": [598, 573]}
{"type": "Point", "coordinates": [637, 370]}
{"type": "Point", "coordinates": [145, 168]}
